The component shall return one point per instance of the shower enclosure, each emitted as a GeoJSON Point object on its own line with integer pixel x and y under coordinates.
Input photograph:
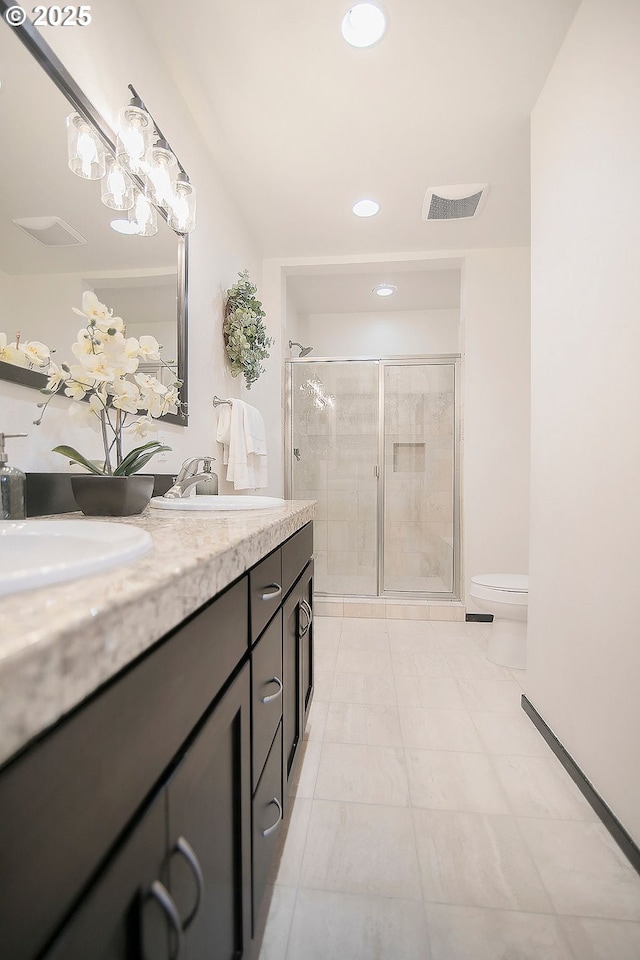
{"type": "Point", "coordinates": [375, 442]}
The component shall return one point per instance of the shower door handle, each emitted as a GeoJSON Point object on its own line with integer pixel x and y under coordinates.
{"type": "Point", "coordinates": [296, 452]}
{"type": "Point", "coordinates": [376, 471]}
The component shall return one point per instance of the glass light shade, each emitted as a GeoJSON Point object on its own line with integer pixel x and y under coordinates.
{"type": "Point", "coordinates": [364, 24]}
{"type": "Point", "coordinates": [161, 174]}
{"type": "Point", "coordinates": [365, 208]}
{"type": "Point", "coordinates": [86, 152]}
{"type": "Point", "coordinates": [117, 189]}
{"type": "Point", "coordinates": [143, 215]}
{"type": "Point", "coordinates": [134, 138]}
{"type": "Point", "coordinates": [181, 215]}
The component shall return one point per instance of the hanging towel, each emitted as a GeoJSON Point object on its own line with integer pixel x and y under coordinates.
{"type": "Point", "coordinates": [241, 432]}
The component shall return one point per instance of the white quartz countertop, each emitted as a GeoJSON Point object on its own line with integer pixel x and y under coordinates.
{"type": "Point", "coordinates": [58, 644]}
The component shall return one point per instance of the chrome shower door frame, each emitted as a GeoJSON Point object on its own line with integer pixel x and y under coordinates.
{"type": "Point", "coordinates": [382, 363]}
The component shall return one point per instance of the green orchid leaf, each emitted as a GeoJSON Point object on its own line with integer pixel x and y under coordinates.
{"type": "Point", "coordinates": [75, 457]}
{"type": "Point", "coordinates": [138, 458]}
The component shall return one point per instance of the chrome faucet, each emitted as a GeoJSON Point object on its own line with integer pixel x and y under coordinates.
{"type": "Point", "coordinates": [189, 476]}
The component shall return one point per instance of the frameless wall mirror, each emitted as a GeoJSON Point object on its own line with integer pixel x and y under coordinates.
{"type": "Point", "coordinates": [56, 239]}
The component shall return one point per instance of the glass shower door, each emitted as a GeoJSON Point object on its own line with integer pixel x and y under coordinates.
{"type": "Point", "coordinates": [334, 444]}
{"type": "Point", "coordinates": [418, 448]}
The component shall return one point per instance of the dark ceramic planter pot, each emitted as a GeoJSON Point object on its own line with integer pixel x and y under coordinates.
{"type": "Point", "coordinates": [112, 496]}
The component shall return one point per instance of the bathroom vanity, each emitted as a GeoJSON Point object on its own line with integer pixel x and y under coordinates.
{"type": "Point", "coordinates": [143, 795]}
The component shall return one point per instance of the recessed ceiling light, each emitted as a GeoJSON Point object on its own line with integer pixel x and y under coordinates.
{"type": "Point", "coordinates": [364, 24]}
{"type": "Point", "coordinates": [365, 208]}
{"type": "Point", "coordinates": [124, 226]}
{"type": "Point", "coordinates": [385, 289]}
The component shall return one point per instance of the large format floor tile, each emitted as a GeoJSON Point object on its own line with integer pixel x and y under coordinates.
{"type": "Point", "coordinates": [470, 933]}
{"type": "Point", "coordinates": [431, 819]}
{"type": "Point", "coordinates": [361, 848]}
{"type": "Point", "coordinates": [445, 780]}
{"type": "Point", "coordinates": [426, 729]}
{"type": "Point", "coordinates": [331, 926]}
{"type": "Point", "coordinates": [541, 787]}
{"type": "Point", "coordinates": [474, 859]}
{"type": "Point", "coordinates": [593, 939]}
{"type": "Point", "coordinates": [370, 723]}
{"type": "Point", "coordinates": [364, 774]}
{"type": "Point", "coordinates": [583, 869]}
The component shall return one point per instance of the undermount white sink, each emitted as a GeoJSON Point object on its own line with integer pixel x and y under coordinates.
{"type": "Point", "coordinates": [36, 553]}
{"type": "Point", "coordinates": [205, 502]}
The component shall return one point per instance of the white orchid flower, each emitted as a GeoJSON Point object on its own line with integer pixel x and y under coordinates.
{"type": "Point", "coordinates": [170, 399]}
{"type": "Point", "coordinates": [56, 376]}
{"type": "Point", "coordinates": [149, 348]}
{"type": "Point", "coordinates": [150, 384]}
{"type": "Point", "coordinates": [98, 366]}
{"type": "Point", "coordinates": [92, 309]}
{"type": "Point", "coordinates": [36, 352]}
{"type": "Point", "coordinates": [126, 396]}
{"type": "Point", "coordinates": [111, 323]}
{"type": "Point", "coordinates": [83, 416]}
{"type": "Point", "coordinates": [122, 354]}
{"type": "Point", "coordinates": [97, 404]}
{"type": "Point", "coordinates": [78, 382]}
{"type": "Point", "coordinates": [141, 427]}
{"type": "Point", "coordinates": [154, 403]}
{"type": "Point", "coordinates": [11, 353]}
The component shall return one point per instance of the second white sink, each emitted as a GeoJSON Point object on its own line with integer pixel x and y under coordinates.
{"type": "Point", "coordinates": [36, 553]}
{"type": "Point", "coordinates": [205, 502]}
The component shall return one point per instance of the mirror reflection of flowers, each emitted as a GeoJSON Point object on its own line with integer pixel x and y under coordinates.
{"type": "Point", "coordinates": [120, 399]}
{"type": "Point", "coordinates": [30, 354]}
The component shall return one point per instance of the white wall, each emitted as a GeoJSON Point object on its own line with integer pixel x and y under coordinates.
{"type": "Point", "coordinates": [103, 61]}
{"type": "Point", "coordinates": [495, 449]}
{"type": "Point", "coordinates": [584, 654]}
{"type": "Point", "coordinates": [380, 334]}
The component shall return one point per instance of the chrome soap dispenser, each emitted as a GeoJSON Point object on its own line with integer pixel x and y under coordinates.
{"type": "Point", "coordinates": [12, 484]}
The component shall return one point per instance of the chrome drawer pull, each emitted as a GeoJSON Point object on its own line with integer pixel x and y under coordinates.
{"type": "Point", "coordinates": [271, 594]}
{"type": "Point", "coordinates": [265, 833]}
{"type": "Point", "coordinates": [278, 691]}
{"type": "Point", "coordinates": [158, 892]}
{"type": "Point", "coordinates": [184, 847]}
{"type": "Point", "coordinates": [306, 609]}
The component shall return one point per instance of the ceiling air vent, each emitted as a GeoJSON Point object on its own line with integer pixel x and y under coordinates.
{"type": "Point", "coordinates": [50, 231]}
{"type": "Point", "coordinates": [458, 202]}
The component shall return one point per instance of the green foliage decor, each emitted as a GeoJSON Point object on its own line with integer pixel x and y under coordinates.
{"type": "Point", "coordinates": [245, 334]}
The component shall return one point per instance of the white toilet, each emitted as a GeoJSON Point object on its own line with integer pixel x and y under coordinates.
{"type": "Point", "coordinates": [506, 596]}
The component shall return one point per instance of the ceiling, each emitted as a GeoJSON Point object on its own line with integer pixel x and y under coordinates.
{"type": "Point", "coordinates": [301, 125]}
{"type": "Point", "coordinates": [352, 292]}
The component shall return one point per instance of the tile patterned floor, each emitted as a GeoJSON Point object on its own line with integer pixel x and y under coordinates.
{"type": "Point", "coordinates": [432, 822]}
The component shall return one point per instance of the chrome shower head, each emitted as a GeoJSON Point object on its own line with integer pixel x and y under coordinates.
{"type": "Point", "coordinates": [303, 350]}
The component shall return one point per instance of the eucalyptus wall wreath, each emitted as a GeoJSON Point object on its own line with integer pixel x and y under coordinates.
{"type": "Point", "coordinates": [245, 334]}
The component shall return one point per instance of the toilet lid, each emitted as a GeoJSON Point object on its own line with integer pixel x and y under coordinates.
{"type": "Point", "coordinates": [511, 582]}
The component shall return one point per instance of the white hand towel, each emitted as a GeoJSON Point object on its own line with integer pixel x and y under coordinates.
{"type": "Point", "coordinates": [241, 432]}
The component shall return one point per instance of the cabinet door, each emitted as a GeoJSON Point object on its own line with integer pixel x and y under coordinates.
{"type": "Point", "coordinates": [128, 913]}
{"type": "Point", "coordinates": [209, 816]}
{"type": "Point", "coordinates": [306, 642]}
{"type": "Point", "coordinates": [291, 717]}
{"type": "Point", "coordinates": [297, 664]}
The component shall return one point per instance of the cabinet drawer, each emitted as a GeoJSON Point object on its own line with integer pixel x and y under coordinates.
{"type": "Point", "coordinates": [67, 799]}
{"type": "Point", "coordinates": [266, 692]}
{"type": "Point", "coordinates": [267, 822]}
{"type": "Point", "coordinates": [296, 553]}
{"type": "Point", "coordinates": [265, 589]}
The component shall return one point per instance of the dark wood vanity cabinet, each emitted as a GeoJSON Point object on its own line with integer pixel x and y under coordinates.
{"type": "Point", "coordinates": [144, 825]}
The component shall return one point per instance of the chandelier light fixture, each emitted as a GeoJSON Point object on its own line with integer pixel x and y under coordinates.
{"type": "Point", "coordinates": [142, 176]}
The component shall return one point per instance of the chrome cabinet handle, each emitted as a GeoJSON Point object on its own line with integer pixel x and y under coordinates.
{"type": "Point", "coordinates": [275, 592]}
{"type": "Point", "coordinates": [269, 830]}
{"type": "Point", "coordinates": [306, 609]}
{"type": "Point", "coordinates": [278, 691]}
{"type": "Point", "coordinates": [184, 848]}
{"type": "Point", "coordinates": [158, 892]}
